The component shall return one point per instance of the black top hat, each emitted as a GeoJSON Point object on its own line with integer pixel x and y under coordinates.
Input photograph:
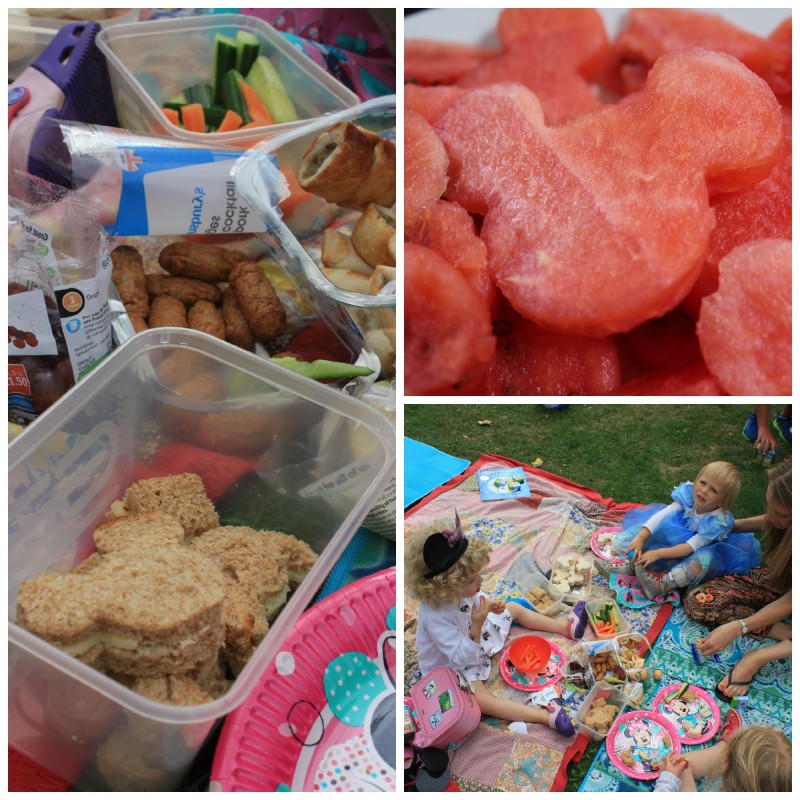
{"type": "Point", "coordinates": [442, 550]}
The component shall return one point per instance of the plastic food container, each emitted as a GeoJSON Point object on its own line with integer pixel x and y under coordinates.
{"type": "Point", "coordinates": [577, 592]}
{"type": "Point", "coordinates": [592, 649]}
{"type": "Point", "coordinates": [151, 62]}
{"type": "Point", "coordinates": [593, 606]}
{"type": "Point", "coordinates": [535, 580]}
{"type": "Point", "coordinates": [316, 460]}
{"type": "Point", "coordinates": [362, 321]}
{"type": "Point", "coordinates": [613, 695]}
{"type": "Point", "coordinates": [638, 644]}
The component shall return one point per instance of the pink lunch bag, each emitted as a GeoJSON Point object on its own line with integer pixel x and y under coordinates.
{"type": "Point", "coordinates": [443, 709]}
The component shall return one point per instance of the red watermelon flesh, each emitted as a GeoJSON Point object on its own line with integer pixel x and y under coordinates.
{"type": "Point", "coordinates": [431, 63]}
{"type": "Point", "coordinates": [556, 53]}
{"type": "Point", "coordinates": [762, 211]}
{"type": "Point", "coordinates": [449, 230]}
{"type": "Point", "coordinates": [448, 330]}
{"type": "Point", "coordinates": [667, 343]}
{"type": "Point", "coordinates": [692, 380]}
{"type": "Point", "coordinates": [430, 101]}
{"type": "Point", "coordinates": [745, 327]}
{"type": "Point", "coordinates": [652, 32]}
{"type": "Point", "coordinates": [425, 170]}
{"type": "Point", "coordinates": [534, 362]}
{"type": "Point", "coordinates": [605, 221]}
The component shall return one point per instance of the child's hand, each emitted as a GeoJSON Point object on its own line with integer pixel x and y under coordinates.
{"type": "Point", "coordinates": [647, 558]}
{"type": "Point", "coordinates": [637, 543]}
{"type": "Point", "coordinates": [480, 611]}
{"type": "Point", "coordinates": [498, 607]}
{"type": "Point", "coordinates": [675, 764]}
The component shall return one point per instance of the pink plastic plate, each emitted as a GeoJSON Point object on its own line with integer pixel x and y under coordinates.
{"type": "Point", "coordinates": [553, 673]}
{"type": "Point", "coordinates": [699, 714]}
{"type": "Point", "coordinates": [640, 739]}
{"type": "Point", "coordinates": [605, 552]}
{"type": "Point", "coordinates": [322, 717]}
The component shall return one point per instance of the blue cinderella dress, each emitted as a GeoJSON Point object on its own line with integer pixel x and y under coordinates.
{"type": "Point", "coordinates": [725, 554]}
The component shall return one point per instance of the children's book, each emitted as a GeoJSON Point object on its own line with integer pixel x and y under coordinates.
{"type": "Point", "coordinates": [503, 484]}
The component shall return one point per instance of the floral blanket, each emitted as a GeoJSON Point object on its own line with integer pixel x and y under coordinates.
{"type": "Point", "coordinates": [558, 518]}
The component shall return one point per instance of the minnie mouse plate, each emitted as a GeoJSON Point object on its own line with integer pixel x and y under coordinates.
{"type": "Point", "coordinates": [602, 549]}
{"type": "Point", "coordinates": [322, 716]}
{"type": "Point", "coordinates": [533, 682]}
{"type": "Point", "coordinates": [638, 743]}
{"type": "Point", "coordinates": [694, 713]}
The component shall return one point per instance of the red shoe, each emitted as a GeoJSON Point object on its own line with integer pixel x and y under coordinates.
{"type": "Point", "coordinates": [732, 724]}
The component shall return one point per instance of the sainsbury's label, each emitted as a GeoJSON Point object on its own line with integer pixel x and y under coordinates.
{"type": "Point", "coordinates": [178, 191]}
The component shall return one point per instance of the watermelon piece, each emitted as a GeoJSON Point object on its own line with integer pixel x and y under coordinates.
{"type": "Point", "coordinates": [692, 380]}
{"type": "Point", "coordinates": [651, 32]}
{"type": "Point", "coordinates": [667, 343]}
{"type": "Point", "coordinates": [430, 63]}
{"type": "Point", "coordinates": [604, 223]}
{"type": "Point", "coordinates": [425, 170]}
{"type": "Point", "coordinates": [448, 330]}
{"type": "Point", "coordinates": [745, 327]}
{"type": "Point", "coordinates": [430, 101]}
{"type": "Point", "coordinates": [449, 230]}
{"type": "Point", "coordinates": [534, 362]}
{"type": "Point", "coordinates": [555, 52]}
{"type": "Point", "coordinates": [762, 211]}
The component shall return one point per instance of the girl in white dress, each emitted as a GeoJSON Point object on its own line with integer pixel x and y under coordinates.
{"type": "Point", "coordinates": [460, 627]}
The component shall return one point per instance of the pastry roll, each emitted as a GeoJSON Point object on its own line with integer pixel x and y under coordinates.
{"type": "Point", "coordinates": [338, 252]}
{"type": "Point", "coordinates": [372, 235]}
{"type": "Point", "coordinates": [127, 275]}
{"type": "Point", "coordinates": [350, 166]}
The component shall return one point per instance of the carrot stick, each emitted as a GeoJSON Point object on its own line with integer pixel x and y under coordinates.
{"type": "Point", "coordinates": [172, 115]}
{"type": "Point", "coordinates": [255, 107]}
{"type": "Point", "coordinates": [230, 122]}
{"type": "Point", "coordinates": [194, 118]}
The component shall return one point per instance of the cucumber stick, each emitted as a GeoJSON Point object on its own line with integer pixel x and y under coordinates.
{"type": "Point", "coordinates": [264, 78]}
{"type": "Point", "coordinates": [247, 48]}
{"type": "Point", "coordinates": [199, 93]}
{"type": "Point", "coordinates": [224, 59]}
{"type": "Point", "coordinates": [232, 97]}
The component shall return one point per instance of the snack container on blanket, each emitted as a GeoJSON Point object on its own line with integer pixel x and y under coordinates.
{"type": "Point", "coordinates": [613, 695]}
{"type": "Point", "coordinates": [638, 644]}
{"type": "Point", "coordinates": [152, 62]}
{"type": "Point", "coordinates": [288, 454]}
{"type": "Point", "coordinates": [596, 606]}
{"type": "Point", "coordinates": [446, 708]}
{"type": "Point", "coordinates": [577, 590]}
{"type": "Point", "coordinates": [615, 673]}
{"type": "Point", "coordinates": [535, 580]}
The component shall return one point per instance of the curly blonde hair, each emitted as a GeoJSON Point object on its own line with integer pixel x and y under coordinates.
{"type": "Point", "coordinates": [446, 587]}
{"type": "Point", "coordinates": [759, 759]}
{"type": "Point", "coordinates": [726, 476]}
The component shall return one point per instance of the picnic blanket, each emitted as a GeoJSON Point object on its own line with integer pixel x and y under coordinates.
{"type": "Point", "coordinates": [769, 703]}
{"type": "Point", "coordinates": [558, 518]}
{"type": "Point", "coordinates": [425, 469]}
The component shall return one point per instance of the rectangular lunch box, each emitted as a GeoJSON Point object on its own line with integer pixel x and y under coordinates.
{"type": "Point", "coordinates": [152, 62]}
{"type": "Point", "coordinates": [310, 462]}
{"type": "Point", "coordinates": [613, 695]}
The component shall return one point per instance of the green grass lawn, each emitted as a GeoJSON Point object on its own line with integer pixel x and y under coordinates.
{"type": "Point", "coordinates": [634, 453]}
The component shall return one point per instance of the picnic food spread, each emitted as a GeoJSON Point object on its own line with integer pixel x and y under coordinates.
{"type": "Point", "coordinates": [211, 396]}
{"type": "Point", "coordinates": [619, 188]}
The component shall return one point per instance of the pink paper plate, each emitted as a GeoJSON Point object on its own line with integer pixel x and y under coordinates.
{"type": "Point", "coordinates": [605, 552]}
{"type": "Point", "coordinates": [646, 737]}
{"type": "Point", "coordinates": [553, 673]}
{"type": "Point", "coordinates": [322, 716]}
{"type": "Point", "coordinates": [702, 714]}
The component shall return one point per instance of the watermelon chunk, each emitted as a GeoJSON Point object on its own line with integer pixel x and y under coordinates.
{"type": "Point", "coordinates": [430, 101]}
{"type": "Point", "coordinates": [430, 63]}
{"type": "Point", "coordinates": [449, 230]}
{"type": "Point", "coordinates": [604, 223]}
{"type": "Point", "coordinates": [425, 170]}
{"type": "Point", "coordinates": [448, 331]}
{"type": "Point", "coordinates": [691, 380]}
{"type": "Point", "coordinates": [745, 327]}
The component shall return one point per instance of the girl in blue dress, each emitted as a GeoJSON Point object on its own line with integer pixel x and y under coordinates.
{"type": "Point", "coordinates": [689, 541]}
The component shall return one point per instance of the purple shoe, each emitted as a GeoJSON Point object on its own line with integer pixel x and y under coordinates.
{"type": "Point", "coordinates": [560, 720]}
{"type": "Point", "coordinates": [578, 619]}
